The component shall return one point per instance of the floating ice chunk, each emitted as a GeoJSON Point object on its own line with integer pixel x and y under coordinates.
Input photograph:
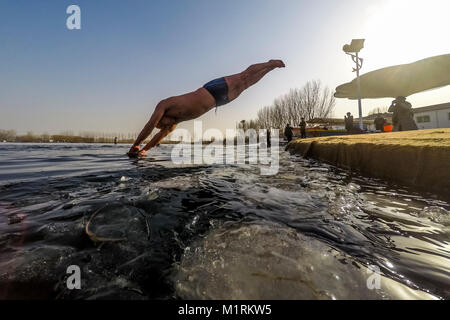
{"type": "Point", "coordinates": [258, 262]}
{"type": "Point", "coordinates": [436, 214]}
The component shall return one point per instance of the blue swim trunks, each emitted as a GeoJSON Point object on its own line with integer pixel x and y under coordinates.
{"type": "Point", "coordinates": [219, 90]}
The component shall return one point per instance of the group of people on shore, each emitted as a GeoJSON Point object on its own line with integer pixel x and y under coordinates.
{"type": "Point", "coordinates": [402, 117]}
{"type": "Point", "coordinates": [402, 120]}
{"type": "Point", "coordinates": [289, 134]}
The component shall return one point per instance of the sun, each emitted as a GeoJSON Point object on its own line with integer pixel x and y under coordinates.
{"type": "Point", "coordinates": [403, 31]}
{"type": "Point", "coordinates": [399, 32]}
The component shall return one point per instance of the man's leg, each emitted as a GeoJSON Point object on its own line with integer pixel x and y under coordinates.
{"type": "Point", "coordinates": [256, 72]}
{"type": "Point", "coordinates": [242, 81]}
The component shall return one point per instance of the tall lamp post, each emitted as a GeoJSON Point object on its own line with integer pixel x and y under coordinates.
{"type": "Point", "coordinates": [353, 50]}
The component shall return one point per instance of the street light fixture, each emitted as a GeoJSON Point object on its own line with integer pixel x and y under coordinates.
{"type": "Point", "coordinates": [353, 50]}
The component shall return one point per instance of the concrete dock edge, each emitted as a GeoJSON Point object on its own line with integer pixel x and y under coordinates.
{"type": "Point", "coordinates": [418, 159]}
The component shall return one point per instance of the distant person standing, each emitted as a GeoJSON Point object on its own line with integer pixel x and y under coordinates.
{"type": "Point", "coordinates": [288, 132]}
{"type": "Point", "coordinates": [303, 128]}
{"type": "Point", "coordinates": [348, 122]}
{"type": "Point", "coordinates": [268, 137]}
{"type": "Point", "coordinates": [379, 123]}
{"type": "Point", "coordinates": [403, 117]}
{"type": "Point", "coordinates": [115, 140]}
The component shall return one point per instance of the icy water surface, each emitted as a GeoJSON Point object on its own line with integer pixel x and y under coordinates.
{"type": "Point", "coordinates": [211, 232]}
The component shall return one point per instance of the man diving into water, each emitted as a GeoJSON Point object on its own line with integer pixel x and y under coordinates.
{"type": "Point", "coordinates": [169, 112]}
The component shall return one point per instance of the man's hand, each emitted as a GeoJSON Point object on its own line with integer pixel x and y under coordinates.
{"type": "Point", "coordinates": [134, 152]}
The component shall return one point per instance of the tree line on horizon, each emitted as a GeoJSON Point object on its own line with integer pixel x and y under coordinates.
{"type": "Point", "coordinates": [311, 101]}
{"type": "Point", "coordinates": [67, 137]}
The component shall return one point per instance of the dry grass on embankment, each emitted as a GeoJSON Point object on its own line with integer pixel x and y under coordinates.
{"type": "Point", "coordinates": [414, 158]}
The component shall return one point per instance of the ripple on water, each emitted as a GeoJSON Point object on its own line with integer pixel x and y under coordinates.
{"type": "Point", "coordinates": [307, 232]}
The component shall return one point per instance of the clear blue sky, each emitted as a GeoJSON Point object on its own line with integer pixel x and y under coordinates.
{"type": "Point", "coordinates": [108, 76]}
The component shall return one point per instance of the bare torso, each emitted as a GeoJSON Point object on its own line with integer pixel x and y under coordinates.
{"type": "Point", "coordinates": [186, 107]}
{"type": "Point", "coordinates": [194, 104]}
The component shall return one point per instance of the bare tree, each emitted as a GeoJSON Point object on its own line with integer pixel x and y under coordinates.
{"type": "Point", "coordinates": [7, 135]}
{"type": "Point", "coordinates": [378, 110]}
{"type": "Point", "coordinates": [311, 101]}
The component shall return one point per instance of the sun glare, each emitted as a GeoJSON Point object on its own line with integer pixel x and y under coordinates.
{"type": "Point", "coordinates": [403, 31]}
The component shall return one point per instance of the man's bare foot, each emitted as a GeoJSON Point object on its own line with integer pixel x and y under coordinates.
{"type": "Point", "coordinates": [278, 63]}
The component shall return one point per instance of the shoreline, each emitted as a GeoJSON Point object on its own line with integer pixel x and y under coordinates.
{"type": "Point", "coordinates": [419, 159]}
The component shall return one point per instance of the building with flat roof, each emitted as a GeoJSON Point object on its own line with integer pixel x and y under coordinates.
{"type": "Point", "coordinates": [431, 117]}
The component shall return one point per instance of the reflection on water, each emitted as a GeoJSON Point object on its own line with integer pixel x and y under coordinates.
{"type": "Point", "coordinates": [311, 231]}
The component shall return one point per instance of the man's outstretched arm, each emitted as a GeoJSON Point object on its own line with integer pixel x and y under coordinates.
{"type": "Point", "coordinates": [157, 139]}
{"type": "Point", "coordinates": [151, 124]}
